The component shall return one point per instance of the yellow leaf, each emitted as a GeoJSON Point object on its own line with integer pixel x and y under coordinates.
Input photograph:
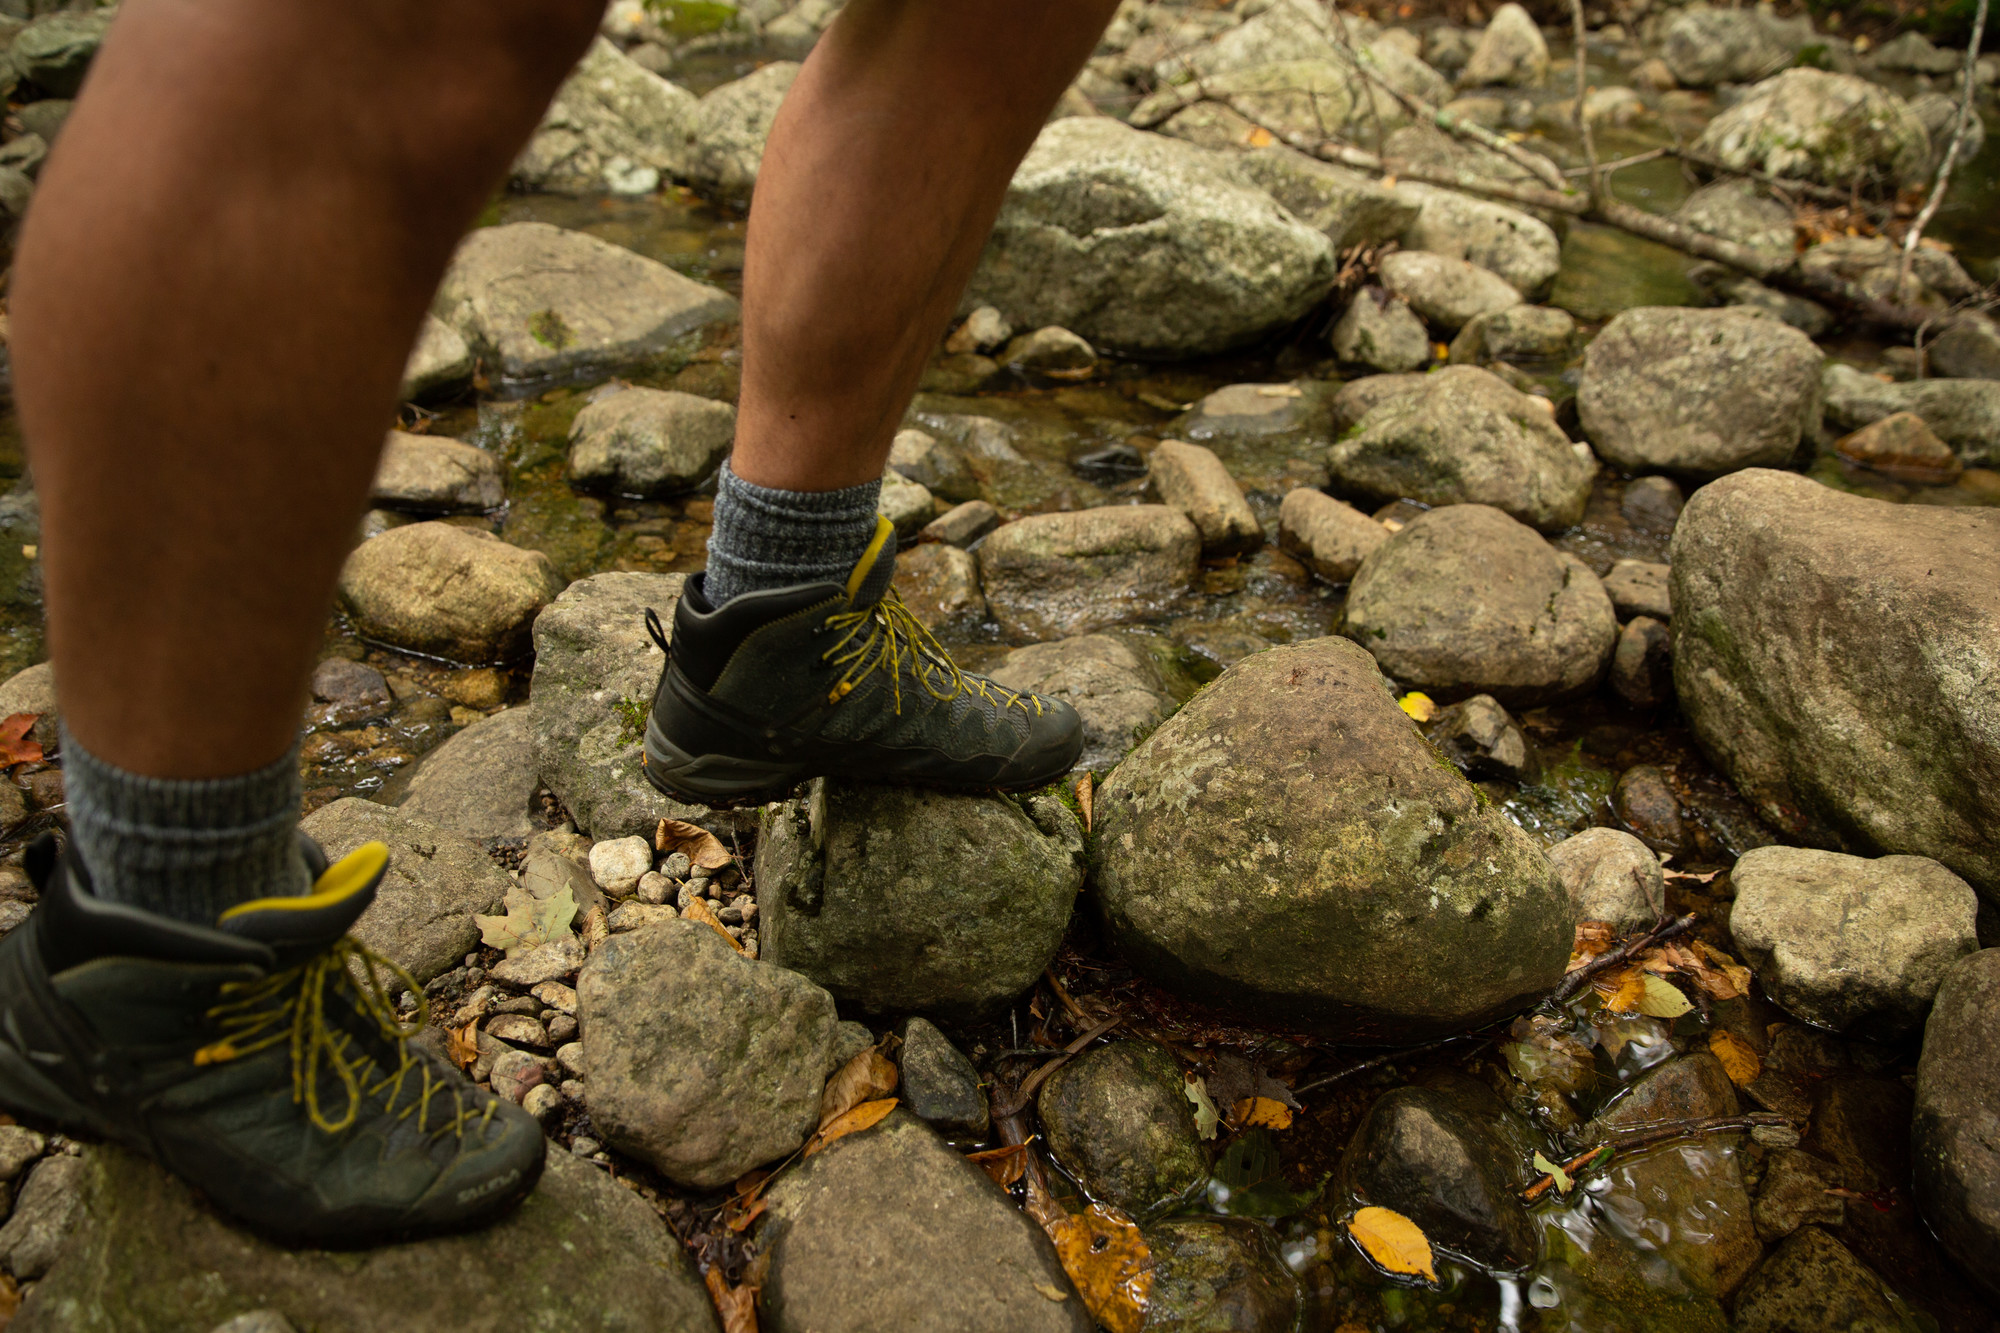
{"type": "Point", "coordinates": [865, 1116]}
{"type": "Point", "coordinates": [1109, 1264]}
{"type": "Point", "coordinates": [1441, 351]}
{"type": "Point", "coordinates": [699, 910]}
{"type": "Point", "coordinates": [702, 847]}
{"type": "Point", "coordinates": [1554, 1171]}
{"type": "Point", "coordinates": [866, 1077]}
{"type": "Point", "coordinates": [1394, 1242]}
{"type": "Point", "coordinates": [1005, 1165]}
{"type": "Point", "coordinates": [1260, 138]}
{"type": "Point", "coordinates": [1623, 989]}
{"type": "Point", "coordinates": [1661, 999]}
{"type": "Point", "coordinates": [1418, 706]}
{"type": "Point", "coordinates": [1739, 1058]}
{"type": "Point", "coordinates": [1264, 1111]}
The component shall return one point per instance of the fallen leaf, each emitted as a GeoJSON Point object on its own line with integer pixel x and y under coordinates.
{"type": "Point", "coordinates": [1593, 939]}
{"type": "Point", "coordinates": [699, 910]}
{"type": "Point", "coordinates": [736, 1305]}
{"type": "Point", "coordinates": [739, 1216]}
{"type": "Point", "coordinates": [1660, 998]}
{"type": "Point", "coordinates": [1005, 1165]}
{"type": "Point", "coordinates": [1262, 1111]}
{"type": "Point", "coordinates": [1206, 1117]}
{"type": "Point", "coordinates": [1622, 989]}
{"type": "Point", "coordinates": [1418, 706]}
{"type": "Point", "coordinates": [1231, 1078]}
{"type": "Point", "coordinates": [1394, 1242]}
{"type": "Point", "coordinates": [462, 1045]}
{"type": "Point", "coordinates": [1441, 351]}
{"type": "Point", "coordinates": [866, 1077]}
{"type": "Point", "coordinates": [702, 847]}
{"type": "Point", "coordinates": [865, 1116]}
{"type": "Point", "coordinates": [1739, 1059]}
{"type": "Point", "coordinates": [529, 921]}
{"type": "Point", "coordinates": [1555, 1172]}
{"type": "Point", "coordinates": [1086, 790]}
{"type": "Point", "coordinates": [1109, 1264]}
{"type": "Point", "coordinates": [1389, 181]}
{"type": "Point", "coordinates": [1260, 138]}
{"type": "Point", "coordinates": [1054, 1293]}
{"type": "Point", "coordinates": [1737, 974]}
{"type": "Point", "coordinates": [16, 746]}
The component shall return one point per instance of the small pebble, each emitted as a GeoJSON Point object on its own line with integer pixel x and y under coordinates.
{"type": "Point", "coordinates": [472, 960]}
{"type": "Point", "coordinates": [617, 863]}
{"type": "Point", "coordinates": [688, 893]}
{"type": "Point", "coordinates": [676, 866]}
{"type": "Point", "coordinates": [474, 975]}
{"type": "Point", "coordinates": [556, 996]}
{"type": "Point", "coordinates": [517, 1004]}
{"type": "Point", "coordinates": [544, 1103]}
{"type": "Point", "coordinates": [572, 1088]}
{"type": "Point", "coordinates": [570, 1057]}
{"type": "Point", "coordinates": [654, 888]}
{"type": "Point", "coordinates": [562, 1028]}
{"type": "Point", "coordinates": [585, 1147]}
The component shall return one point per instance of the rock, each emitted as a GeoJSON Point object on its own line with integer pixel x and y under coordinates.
{"type": "Point", "coordinates": [1051, 575]}
{"type": "Point", "coordinates": [1329, 537]}
{"type": "Point", "coordinates": [1697, 392]}
{"type": "Point", "coordinates": [962, 525]}
{"type": "Point", "coordinates": [1448, 292]}
{"type": "Point", "coordinates": [1640, 588]}
{"type": "Point", "coordinates": [1642, 665]}
{"type": "Point", "coordinates": [1912, 53]}
{"type": "Point", "coordinates": [1378, 331]}
{"type": "Point", "coordinates": [1854, 945]}
{"type": "Point", "coordinates": [1939, 117]}
{"type": "Point", "coordinates": [649, 442]}
{"type": "Point", "coordinates": [1518, 333]}
{"type": "Point", "coordinates": [553, 961]}
{"type": "Point", "coordinates": [906, 901]}
{"type": "Point", "coordinates": [1963, 413]}
{"type": "Point", "coordinates": [444, 591]}
{"type": "Point", "coordinates": [1794, 1193]}
{"type": "Point", "coordinates": [19, 1147]}
{"type": "Point", "coordinates": [1611, 876]}
{"type": "Point", "coordinates": [613, 125]}
{"type": "Point", "coordinates": [592, 654]}
{"type": "Point", "coordinates": [1419, 1154]}
{"type": "Point", "coordinates": [1144, 245]}
{"type": "Point", "coordinates": [1510, 51]}
{"type": "Point", "coordinates": [1352, 209]}
{"type": "Point", "coordinates": [1652, 504]}
{"type": "Point", "coordinates": [1645, 803]}
{"type": "Point", "coordinates": [421, 918]}
{"type": "Point", "coordinates": [31, 690]}
{"type": "Point", "coordinates": [54, 52]}
{"type": "Point", "coordinates": [1873, 263]}
{"type": "Point", "coordinates": [617, 863]}
{"type": "Point", "coordinates": [1217, 1275]}
{"type": "Point", "coordinates": [1901, 446]}
{"type": "Point", "coordinates": [257, 1321]}
{"type": "Point", "coordinates": [1841, 710]}
{"type": "Point", "coordinates": [1483, 741]}
{"type": "Point", "coordinates": [634, 915]}
{"type": "Point", "coordinates": [890, 1231]}
{"type": "Point", "coordinates": [1814, 1284]}
{"type": "Point", "coordinates": [1829, 128]}
{"type": "Point", "coordinates": [1518, 248]}
{"type": "Point", "coordinates": [982, 331]}
{"type": "Point", "coordinates": [939, 1085]}
{"type": "Point", "coordinates": [730, 127]}
{"type": "Point", "coordinates": [436, 476]}
{"type": "Point", "coordinates": [1250, 853]}
{"type": "Point", "coordinates": [439, 365]}
{"type": "Point", "coordinates": [702, 1112]}
{"type": "Point", "coordinates": [1704, 47]}
{"type": "Point", "coordinates": [537, 303]}
{"type": "Point", "coordinates": [480, 782]}
{"type": "Point", "coordinates": [937, 465]}
{"type": "Point", "coordinates": [941, 585]}
{"type": "Point", "coordinates": [1466, 437]}
{"type": "Point", "coordinates": [1117, 1120]}
{"type": "Point", "coordinates": [43, 1217]}
{"type": "Point", "coordinates": [1115, 690]}
{"type": "Point", "coordinates": [628, 1271]}
{"type": "Point", "coordinates": [1737, 208]}
{"type": "Point", "coordinates": [356, 690]}
{"type": "Point", "coordinates": [1292, 97]}
{"type": "Point", "coordinates": [1049, 351]}
{"type": "Point", "coordinates": [907, 505]}
{"type": "Point", "coordinates": [1953, 1137]}
{"type": "Point", "coordinates": [1465, 600]}
{"type": "Point", "coordinates": [1269, 436]}
{"type": "Point", "coordinates": [1192, 479]}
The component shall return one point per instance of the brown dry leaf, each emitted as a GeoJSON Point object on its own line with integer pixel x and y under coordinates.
{"type": "Point", "coordinates": [1593, 939]}
{"type": "Point", "coordinates": [1739, 1059]}
{"type": "Point", "coordinates": [1394, 1242]}
{"type": "Point", "coordinates": [462, 1045]}
{"type": "Point", "coordinates": [702, 847]}
{"type": "Point", "coordinates": [16, 746]}
{"type": "Point", "coordinates": [699, 910]}
{"type": "Point", "coordinates": [1005, 1165]}
{"type": "Point", "coordinates": [1262, 1111]}
{"type": "Point", "coordinates": [1109, 1264]}
{"type": "Point", "coordinates": [1737, 974]}
{"type": "Point", "coordinates": [739, 1215]}
{"type": "Point", "coordinates": [1086, 792]}
{"type": "Point", "coordinates": [865, 1116]}
{"type": "Point", "coordinates": [866, 1077]}
{"type": "Point", "coordinates": [736, 1305]}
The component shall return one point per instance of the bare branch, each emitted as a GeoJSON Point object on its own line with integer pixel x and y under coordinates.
{"type": "Point", "coordinates": [1968, 87]}
{"type": "Point", "coordinates": [1595, 177]}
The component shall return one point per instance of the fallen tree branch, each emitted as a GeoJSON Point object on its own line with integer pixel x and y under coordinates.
{"type": "Point", "coordinates": [1533, 163]}
{"type": "Point", "coordinates": [1969, 87]}
{"type": "Point", "coordinates": [1666, 929]}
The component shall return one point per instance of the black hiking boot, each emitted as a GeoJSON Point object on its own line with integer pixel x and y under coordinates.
{"type": "Point", "coordinates": [825, 680]}
{"type": "Point", "coordinates": [260, 1059]}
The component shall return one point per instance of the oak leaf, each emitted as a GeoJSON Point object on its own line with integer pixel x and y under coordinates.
{"type": "Point", "coordinates": [16, 745]}
{"type": "Point", "coordinates": [865, 1078]}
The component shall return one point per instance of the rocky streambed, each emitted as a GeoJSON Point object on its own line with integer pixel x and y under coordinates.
{"type": "Point", "coordinates": [1540, 754]}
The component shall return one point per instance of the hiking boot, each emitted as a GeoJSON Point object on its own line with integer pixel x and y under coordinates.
{"type": "Point", "coordinates": [259, 1059]}
{"type": "Point", "coordinates": [826, 680]}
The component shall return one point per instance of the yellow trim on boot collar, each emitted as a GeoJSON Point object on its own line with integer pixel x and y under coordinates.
{"type": "Point", "coordinates": [884, 529]}
{"type": "Point", "coordinates": [343, 879]}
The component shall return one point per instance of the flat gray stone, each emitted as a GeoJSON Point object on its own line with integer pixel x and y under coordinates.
{"type": "Point", "coordinates": [479, 783]}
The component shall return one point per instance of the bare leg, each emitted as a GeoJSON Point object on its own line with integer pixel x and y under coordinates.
{"type": "Point", "coordinates": [882, 177]}
{"type": "Point", "coordinates": [223, 270]}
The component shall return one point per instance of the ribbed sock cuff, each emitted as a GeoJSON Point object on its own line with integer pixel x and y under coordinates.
{"type": "Point", "coordinates": [189, 848]}
{"type": "Point", "coordinates": [765, 538]}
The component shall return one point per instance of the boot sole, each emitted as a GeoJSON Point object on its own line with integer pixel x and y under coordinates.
{"type": "Point", "coordinates": [27, 1092]}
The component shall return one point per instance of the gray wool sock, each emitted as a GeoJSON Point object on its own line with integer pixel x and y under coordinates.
{"type": "Point", "coordinates": [189, 848]}
{"type": "Point", "coordinates": [766, 538]}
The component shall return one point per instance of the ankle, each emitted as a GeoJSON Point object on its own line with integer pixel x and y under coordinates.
{"type": "Point", "coordinates": [767, 538]}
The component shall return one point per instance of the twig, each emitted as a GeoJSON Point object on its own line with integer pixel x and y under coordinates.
{"type": "Point", "coordinates": [1534, 163]}
{"type": "Point", "coordinates": [1388, 1057]}
{"type": "Point", "coordinates": [1619, 164]}
{"type": "Point", "coordinates": [1646, 891]}
{"type": "Point", "coordinates": [1021, 1096]}
{"type": "Point", "coordinates": [1965, 95]}
{"type": "Point", "coordinates": [1604, 962]}
{"type": "Point", "coordinates": [1596, 177]}
{"type": "Point", "coordinates": [1063, 995]}
{"type": "Point", "coordinates": [1646, 1137]}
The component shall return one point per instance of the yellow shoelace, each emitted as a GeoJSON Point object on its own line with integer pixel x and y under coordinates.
{"type": "Point", "coordinates": [290, 1006]}
{"type": "Point", "coordinates": [887, 636]}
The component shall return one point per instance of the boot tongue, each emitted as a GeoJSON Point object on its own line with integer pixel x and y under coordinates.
{"type": "Point", "coordinates": [297, 926]}
{"type": "Point", "coordinates": [869, 581]}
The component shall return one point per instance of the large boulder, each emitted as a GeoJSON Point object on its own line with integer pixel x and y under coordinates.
{"type": "Point", "coordinates": [621, 1268]}
{"type": "Point", "coordinates": [1814, 1282]}
{"type": "Point", "coordinates": [1698, 392]}
{"type": "Point", "coordinates": [1352, 209]}
{"type": "Point", "coordinates": [1289, 846]}
{"type": "Point", "coordinates": [1464, 600]}
{"type": "Point", "coordinates": [1145, 245]}
{"type": "Point", "coordinates": [446, 591]}
{"type": "Point", "coordinates": [649, 442]}
{"type": "Point", "coordinates": [1519, 248]}
{"type": "Point", "coordinates": [703, 1111]}
{"type": "Point", "coordinates": [1704, 47]}
{"type": "Point", "coordinates": [1115, 689]}
{"type": "Point", "coordinates": [729, 128]}
{"type": "Point", "coordinates": [540, 303]}
{"type": "Point", "coordinates": [1955, 1137]}
{"type": "Point", "coordinates": [1836, 129]}
{"type": "Point", "coordinates": [1467, 437]}
{"type": "Point", "coordinates": [1850, 944]}
{"type": "Point", "coordinates": [480, 782]}
{"type": "Point", "coordinates": [595, 672]}
{"type": "Point", "coordinates": [1847, 709]}
{"type": "Point", "coordinates": [900, 900]}
{"type": "Point", "coordinates": [890, 1231]}
{"type": "Point", "coordinates": [1051, 575]}
{"type": "Point", "coordinates": [613, 126]}
{"type": "Point", "coordinates": [1965, 414]}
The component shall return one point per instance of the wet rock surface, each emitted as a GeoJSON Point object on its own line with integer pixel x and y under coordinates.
{"type": "Point", "coordinates": [1953, 1135]}
{"type": "Point", "coordinates": [1117, 1120]}
{"type": "Point", "coordinates": [1813, 1282]}
{"type": "Point", "coordinates": [939, 1085]}
{"type": "Point", "coordinates": [1058, 574]}
{"type": "Point", "coordinates": [1215, 1275]}
{"type": "Point", "coordinates": [1419, 1154]}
